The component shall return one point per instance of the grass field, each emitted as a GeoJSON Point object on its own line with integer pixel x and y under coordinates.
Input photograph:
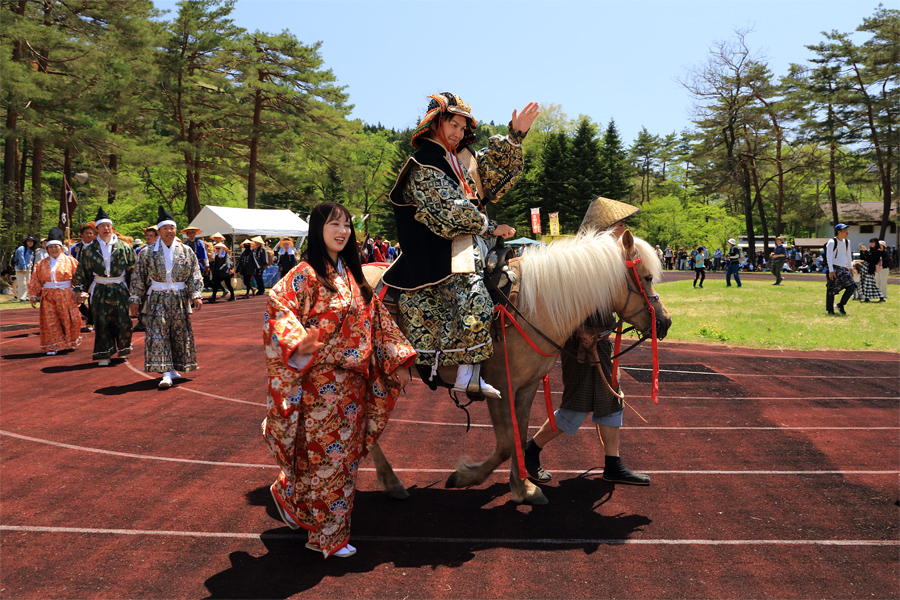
{"type": "Point", "coordinates": [789, 316]}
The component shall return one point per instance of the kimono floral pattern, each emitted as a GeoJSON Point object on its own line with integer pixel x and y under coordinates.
{"type": "Point", "coordinates": [449, 323]}
{"type": "Point", "coordinates": [322, 419]}
{"type": "Point", "coordinates": [169, 341]}
{"type": "Point", "coordinates": [60, 319]}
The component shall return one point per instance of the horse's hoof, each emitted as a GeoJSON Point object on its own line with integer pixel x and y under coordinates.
{"type": "Point", "coordinates": [397, 494]}
{"type": "Point", "coordinates": [453, 481]}
{"type": "Point", "coordinates": [537, 500]}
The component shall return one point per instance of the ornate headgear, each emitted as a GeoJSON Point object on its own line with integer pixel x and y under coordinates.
{"type": "Point", "coordinates": [102, 217]}
{"type": "Point", "coordinates": [443, 104]}
{"type": "Point", "coordinates": [604, 213]}
{"type": "Point", "coordinates": [164, 217]}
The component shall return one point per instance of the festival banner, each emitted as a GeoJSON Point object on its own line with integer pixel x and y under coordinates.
{"type": "Point", "coordinates": [535, 220]}
{"type": "Point", "coordinates": [67, 205]}
{"type": "Point", "coordinates": [554, 224]}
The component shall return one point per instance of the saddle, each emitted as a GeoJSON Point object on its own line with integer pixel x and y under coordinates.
{"type": "Point", "coordinates": [501, 278]}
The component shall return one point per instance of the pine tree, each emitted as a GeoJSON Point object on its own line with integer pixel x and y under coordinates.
{"type": "Point", "coordinates": [616, 170]}
{"type": "Point", "coordinates": [584, 166]}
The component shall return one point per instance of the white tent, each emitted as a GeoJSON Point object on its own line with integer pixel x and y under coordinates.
{"type": "Point", "coordinates": [250, 222]}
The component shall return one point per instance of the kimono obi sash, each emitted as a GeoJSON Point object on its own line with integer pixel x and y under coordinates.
{"type": "Point", "coordinates": [162, 286]}
{"type": "Point", "coordinates": [109, 280]}
{"type": "Point", "coordinates": [57, 285]}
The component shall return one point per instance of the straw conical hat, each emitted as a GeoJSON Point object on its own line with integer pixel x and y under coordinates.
{"type": "Point", "coordinates": [603, 213]}
{"type": "Point", "coordinates": [257, 240]}
{"type": "Point", "coordinates": [217, 236]}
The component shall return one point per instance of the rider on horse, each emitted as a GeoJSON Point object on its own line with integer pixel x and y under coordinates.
{"type": "Point", "coordinates": [438, 201]}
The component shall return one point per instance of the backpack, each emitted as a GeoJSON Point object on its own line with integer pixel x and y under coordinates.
{"type": "Point", "coordinates": [887, 259]}
{"type": "Point", "coordinates": [825, 251]}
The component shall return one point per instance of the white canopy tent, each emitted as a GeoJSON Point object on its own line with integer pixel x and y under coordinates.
{"type": "Point", "coordinates": [248, 222]}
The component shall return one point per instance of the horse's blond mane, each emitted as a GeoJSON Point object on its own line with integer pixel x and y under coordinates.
{"type": "Point", "coordinates": [570, 279]}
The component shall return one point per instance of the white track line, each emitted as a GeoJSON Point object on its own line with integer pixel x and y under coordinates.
{"type": "Point", "coordinates": [419, 470]}
{"type": "Point", "coordinates": [187, 389]}
{"type": "Point", "coordinates": [432, 540]}
{"type": "Point", "coordinates": [770, 375]}
{"type": "Point", "coordinates": [710, 428]}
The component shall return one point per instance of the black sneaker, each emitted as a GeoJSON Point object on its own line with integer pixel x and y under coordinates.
{"type": "Point", "coordinates": [841, 310]}
{"type": "Point", "coordinates": [616, 472]}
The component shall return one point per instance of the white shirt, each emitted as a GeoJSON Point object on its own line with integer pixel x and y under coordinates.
{"type": "Point", "coordinates": [106, 250]}
{"type": "Point", "coordinates": [844, 255]}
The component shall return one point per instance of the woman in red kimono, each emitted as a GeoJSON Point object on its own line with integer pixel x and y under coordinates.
{"type": "Point", "coordinates": [51, 283]}
{"type": "Point", "coordinates": [336, 363]}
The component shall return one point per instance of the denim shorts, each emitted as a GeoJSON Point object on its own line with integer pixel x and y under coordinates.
{"type": "Point", "coordinates": [570, 420]}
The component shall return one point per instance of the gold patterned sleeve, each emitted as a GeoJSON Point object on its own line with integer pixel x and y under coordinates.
{"type": "Point", "coordinates": [442, 207]}
{"type": "Point", "coordinates": [500, 164]}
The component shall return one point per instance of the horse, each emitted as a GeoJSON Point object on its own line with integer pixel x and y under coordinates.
{"type": "Point", "coordinates": [562, 284]}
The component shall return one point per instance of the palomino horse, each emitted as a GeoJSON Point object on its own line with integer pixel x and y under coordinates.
{"type": "Point", "coordinates": [561, 285]}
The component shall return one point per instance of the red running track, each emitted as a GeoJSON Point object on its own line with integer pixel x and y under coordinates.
{"type": "Point", "coordinates": [775, 475]}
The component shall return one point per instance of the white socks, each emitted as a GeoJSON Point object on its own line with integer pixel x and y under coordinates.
{"type": "Point", "coordinates": [463, 375]}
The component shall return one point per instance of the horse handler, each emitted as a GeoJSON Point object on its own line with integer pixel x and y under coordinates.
{"type": "Point", "coordinates": [170, 273]}
{"type": "Point", "coordinates": [585, 388]}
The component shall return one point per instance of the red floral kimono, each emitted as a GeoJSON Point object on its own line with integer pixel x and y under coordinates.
{"type": "Point", "coordinates": [323, 418]}
{"type": "Point", "coordinates": [60, 319]}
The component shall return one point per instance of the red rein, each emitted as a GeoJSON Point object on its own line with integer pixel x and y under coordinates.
{"type": "Point", "coordinates": [632, 264]}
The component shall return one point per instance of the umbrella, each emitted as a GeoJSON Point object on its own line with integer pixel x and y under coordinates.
{"type": "Point", "coordinates": [523, 240]}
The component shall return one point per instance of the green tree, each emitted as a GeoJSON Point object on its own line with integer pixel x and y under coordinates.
{"type": "Point", "coordinates": [614, 163]}
{"type": "Point", "coordinates": [644, 154]}
{"type": "Point", "coordinates": [584, 166]}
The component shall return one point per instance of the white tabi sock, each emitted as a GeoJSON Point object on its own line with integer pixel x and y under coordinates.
{"type": "Point", "coordinates": [463, 375]}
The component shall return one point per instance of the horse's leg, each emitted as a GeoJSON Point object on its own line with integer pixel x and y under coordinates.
{"type": "Point", "coordinates": [523, 490]}
{"type": "Point", "coordinates": [388, 481]}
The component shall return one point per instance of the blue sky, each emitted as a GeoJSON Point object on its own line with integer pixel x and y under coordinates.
{"type": "Point", "coordinates": [605, 59]}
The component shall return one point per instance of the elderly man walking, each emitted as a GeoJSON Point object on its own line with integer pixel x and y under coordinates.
{"type": "Point", "coordinates": [104, 268]}
{"type": "Point", "coordinates": [170, 272]}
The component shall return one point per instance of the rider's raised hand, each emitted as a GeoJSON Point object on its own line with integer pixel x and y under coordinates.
{"type": "Point", "coordinates": [522, 121]}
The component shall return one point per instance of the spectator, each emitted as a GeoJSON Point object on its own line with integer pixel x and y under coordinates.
{"type": "Point", "coordinates": [23, 263]}
{"type": "Point", "coordinates": [221, 271]}
{"type": "Point", "coordinates": [871, 262]}
{"type": "Point", "coordinates": [41, 252]}
{"type": "Point", "coordinates": [733, 266]}
{"type": "Point", "coordinates": [669, 258]}
{"type": "Point", "coordinates": [700, 266]}
{"type": "Point", "coordinates": [247, 266]}
{"type": "Point", "coordinates": [838, 257]}
{"type": "Point", "coordinates": [717, 259]}
{"type": "Point", "coordinates": [261, 252]}
{"type": "Point", "coordinates": [682, 259]}
{"type": "Point", "coordinates": [884, 268]}
{"type": "Point", "coordinates": [287, 258]}
{"type": "Point", "coordinates": [88, 234]}
{"type": "Point", "coordinates": [779, 254]}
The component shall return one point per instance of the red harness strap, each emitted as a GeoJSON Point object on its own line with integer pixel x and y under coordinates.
{"type": "Point", "coordinates": [520, 457]}
{"type": "Point", "coordinates": [632, 264]}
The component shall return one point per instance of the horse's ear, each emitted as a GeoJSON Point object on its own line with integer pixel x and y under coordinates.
{"type": "Point", "coordinates": [628, 241]}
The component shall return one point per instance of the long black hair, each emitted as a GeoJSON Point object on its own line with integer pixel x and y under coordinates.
{"type": "Point", "coordinates": [317, 251]}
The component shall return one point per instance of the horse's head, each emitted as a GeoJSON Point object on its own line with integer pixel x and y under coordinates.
{"type": "Point", "coordinates": [634, 302]}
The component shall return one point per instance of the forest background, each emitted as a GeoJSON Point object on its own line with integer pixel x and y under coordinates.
{"type": "Point", "coordinates": [189, 109]}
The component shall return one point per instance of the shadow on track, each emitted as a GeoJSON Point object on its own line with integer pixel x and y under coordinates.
{"type": "Point", "coordinates": [445, 528]}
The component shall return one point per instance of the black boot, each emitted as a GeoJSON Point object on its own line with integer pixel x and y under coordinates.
{"type": "Point", "coordinates": [616, 472]}
{"type": "Point", "coordinates": [532, 455]}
